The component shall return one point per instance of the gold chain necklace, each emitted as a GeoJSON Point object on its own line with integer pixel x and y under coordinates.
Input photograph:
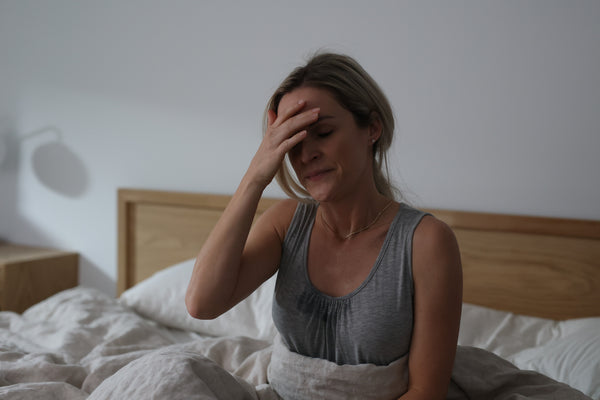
{"type": "Point", "coordinates": [364, 228]}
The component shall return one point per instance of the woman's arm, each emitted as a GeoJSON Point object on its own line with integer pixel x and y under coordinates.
{"type": "Point", "coordinates": [437, 275]}
{"type": "Point", "coordinates": [236, 259]}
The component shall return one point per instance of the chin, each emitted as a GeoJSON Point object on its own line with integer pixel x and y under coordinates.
{"type": "Point", "coordinates": [317, 195]}
{"type": "Point", "coordinates": [321, 196]}
{"type": "Point", "coordinates": [322, 191]}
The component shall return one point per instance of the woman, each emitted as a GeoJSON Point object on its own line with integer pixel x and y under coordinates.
{"type": "Point", "coordinates": [362, 279]}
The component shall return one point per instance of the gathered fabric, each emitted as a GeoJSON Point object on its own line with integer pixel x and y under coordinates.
{"type": "Point", "coordinates": [295, 377]}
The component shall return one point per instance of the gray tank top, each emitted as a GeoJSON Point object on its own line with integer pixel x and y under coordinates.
{"type": "Point", "coordinates": [373, 324]}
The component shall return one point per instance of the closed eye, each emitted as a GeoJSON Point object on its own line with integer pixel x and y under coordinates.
{"type": "Point", "coordinates": [324, 134]}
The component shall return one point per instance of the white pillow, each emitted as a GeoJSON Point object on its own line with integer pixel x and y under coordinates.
{"type": "Point", "coordinates": [503, 332]}
{"type": "Point", "coordinates": [573, 358]}
{"type": "Point", "coordinates": [566, 351]}
{"type": "Point", "coordinates": [162, 298]}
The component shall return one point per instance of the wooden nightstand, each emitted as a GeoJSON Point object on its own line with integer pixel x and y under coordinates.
{"type": "Point", "coordinates": [28, 275]}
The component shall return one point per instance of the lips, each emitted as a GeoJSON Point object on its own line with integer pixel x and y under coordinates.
{"type": "Point", "coordinates": [316, 174]}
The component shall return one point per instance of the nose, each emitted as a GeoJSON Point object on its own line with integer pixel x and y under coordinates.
{"type": "Point", "coordinates": [306, 151]}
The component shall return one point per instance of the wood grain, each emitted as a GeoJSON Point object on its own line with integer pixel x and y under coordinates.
{"type": "Point", "coordinates": [158, 229]}
{"type": "Point", "coordinates": [546, 276]}
{"type": "Point", "coordinates": [28, 275]}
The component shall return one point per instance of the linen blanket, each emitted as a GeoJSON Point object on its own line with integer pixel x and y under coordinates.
{"type": "Point", "coordinates": [82, 344]}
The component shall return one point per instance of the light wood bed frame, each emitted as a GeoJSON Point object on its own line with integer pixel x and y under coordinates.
{"type": "Point", "coordinates": [546, 267]}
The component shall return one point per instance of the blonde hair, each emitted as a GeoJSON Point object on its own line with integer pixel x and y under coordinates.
{"type": "Point", "coordinates": [355, 90]}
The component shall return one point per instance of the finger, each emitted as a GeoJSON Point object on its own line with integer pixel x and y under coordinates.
{"type": "Point", "coordinates": [290, 111]}
{"type": "Point", "coordinates": [291, 142]}
{"type": "Point", "coordinates": [271, 116]}
{"type": "Point", "coordinates": [291, 126]}
{"type": "Point", "coordinates": [301, 121]}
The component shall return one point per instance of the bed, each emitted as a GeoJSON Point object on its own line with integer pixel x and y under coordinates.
{"type": "Point", "coordinates": [530, 325]}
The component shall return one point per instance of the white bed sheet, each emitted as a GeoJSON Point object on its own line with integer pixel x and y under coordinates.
{"type": "Point", "coordinates": [78, 343]}
{"type": "Point", "coordinates": [66, 346]}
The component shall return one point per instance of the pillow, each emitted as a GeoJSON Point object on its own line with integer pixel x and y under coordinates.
{"type": "Point", "coordinates": [502, 332]}
{"type": "Point", "coordinates": [572, 358]}
{"type": "Point", "coordinates": [567, 351]}
{"type": "Point", "coordinates": [162, 298]}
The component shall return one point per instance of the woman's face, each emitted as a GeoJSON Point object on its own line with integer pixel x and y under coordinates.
{"type": "Point", "coordinates": [335, 159]}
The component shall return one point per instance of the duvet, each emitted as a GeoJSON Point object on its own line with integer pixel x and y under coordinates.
{"type": "Point", "coordinates": [82, 344]}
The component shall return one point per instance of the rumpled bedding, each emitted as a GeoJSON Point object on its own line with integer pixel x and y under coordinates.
{"type": "Point", "coordinates": [297, 377]}
{"type": "Point", "coordinates": [82, 344]}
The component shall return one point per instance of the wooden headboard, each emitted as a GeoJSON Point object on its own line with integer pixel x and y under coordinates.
{"type": "Point", "coordinates": [546, 267]}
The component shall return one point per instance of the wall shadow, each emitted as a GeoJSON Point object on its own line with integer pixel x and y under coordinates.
{"type": "Point", "coordinates": [59, 169]}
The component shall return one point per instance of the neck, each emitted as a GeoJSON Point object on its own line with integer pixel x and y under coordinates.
{"type": "Point", "coordinates": [349, 218]}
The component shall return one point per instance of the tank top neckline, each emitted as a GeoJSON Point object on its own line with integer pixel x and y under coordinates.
{"type": "Point", "coordinates": [372, 272]}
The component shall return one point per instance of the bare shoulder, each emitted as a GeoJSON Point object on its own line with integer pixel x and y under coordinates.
{"type": "Point", "coordinates": [433, 232]}
{"type": "Point", "coordinates": [278, 216]}
{"type": "Point", "coordinates": [435, 245]}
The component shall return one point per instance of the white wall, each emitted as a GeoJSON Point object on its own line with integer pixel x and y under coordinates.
{"type": "Point", "coordinates": [497, 103]}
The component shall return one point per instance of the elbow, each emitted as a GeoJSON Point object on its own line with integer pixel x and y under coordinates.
{"type": "Point", "coordinates": [195, 309]}
{"type": "Point", "coordinates": [197, 312]}
{"type": "Point", "coordinates": [192, 309]}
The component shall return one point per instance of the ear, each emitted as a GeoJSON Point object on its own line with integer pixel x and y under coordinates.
{"type": "Point", "coordinates": [375, 127]}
